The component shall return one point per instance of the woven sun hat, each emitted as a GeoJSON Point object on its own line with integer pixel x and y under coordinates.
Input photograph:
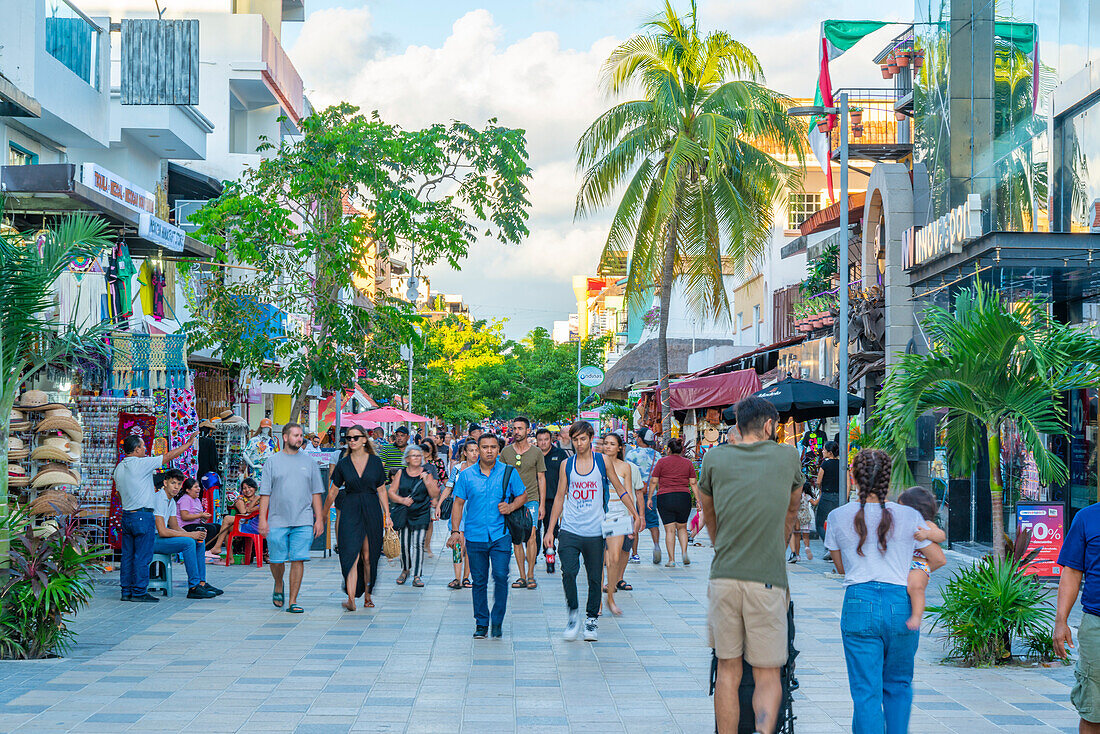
{"type": "Point", "coordinates": [72, 448]}
{"type": "Point", "coordinates": [55, 474]}
{"type": "Point", "coordinates": [59, 412]}
{"type": "Point", "coordinates": [17, 449]}
{"type": "Point", "coordinates": [51, 453]}
{"type": "Point", "coordinates": [36, 400]}
{"type": "Point", "coordinates": [206, 424]}
{"type": "Point", "coordinates": [18, 421]}
{"type": "Point", "coordinates": [60, 423]}
{"type": "Point", "coordinates": [234, 420]}
{"type": "Point", "coordinates": [225, 414]}
{"type": "Point", "coordinates": [17, 476]}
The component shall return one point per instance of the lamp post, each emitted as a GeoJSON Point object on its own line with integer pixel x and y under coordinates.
{"type": "Point", "coordinates": [842, 265]}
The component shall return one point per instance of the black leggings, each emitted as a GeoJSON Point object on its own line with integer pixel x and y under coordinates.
{"type": "Point", "coordinates": [673, 507]}
{"type": "Point", "coordinates": [212, 529]}
{"type": "Point", "coordinates": [570, 549]}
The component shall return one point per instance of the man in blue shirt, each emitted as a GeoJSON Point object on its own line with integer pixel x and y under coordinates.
{"type": "Point", "coordinates": [1080, 559]}
{"type": "Point", "coordinates": [480, 493]}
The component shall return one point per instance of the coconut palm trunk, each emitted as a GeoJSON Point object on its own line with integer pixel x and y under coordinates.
{"type": "Point", "coordinates": [668, 276]}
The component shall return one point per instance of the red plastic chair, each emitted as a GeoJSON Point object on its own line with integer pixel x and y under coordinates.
{"type": "Point", "coordinates": [254, 542]}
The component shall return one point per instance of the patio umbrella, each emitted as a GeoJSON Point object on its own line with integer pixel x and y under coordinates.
{"type": "Point", "coordinates": [391, 415]}
{"type": "Point", "coordinates": [803, 400]}
{"type": "Point", "coordinates": [356, 419]}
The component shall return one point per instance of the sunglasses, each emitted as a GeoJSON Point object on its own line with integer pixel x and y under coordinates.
{"type": "Point", "coordinates": [357, 438]}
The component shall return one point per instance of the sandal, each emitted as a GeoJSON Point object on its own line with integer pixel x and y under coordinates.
{"type": "Point", "coordinates": [520, 583]}
{"type": "Point", "coordinates": [532, 584]}
{"type": "Point", "coordinates": [456, 584]}
{"type": "Point", "coordinates": [277, 598]}
{"type": "Point", "coordinates": [368, 604]}
{"type": "Point", "coordinates": [670, 564]}
{"type": "Point", "coordinates": [403, 577]}
{"type": "Point", "coordinates": [467, 584]}
{"type": "Point", "coordinates": [295, 609]}
{"type": "Point", "coordinates": [623, 586]}
{"type": "Point", "coordinates": [417, 582]}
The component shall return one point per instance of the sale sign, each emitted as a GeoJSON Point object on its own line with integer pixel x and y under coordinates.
{"type": "Point", "coordinates": [1047, 525]}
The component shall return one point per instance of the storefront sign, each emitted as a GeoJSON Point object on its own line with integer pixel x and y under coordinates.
{"type": "Point", "coordinates": [1047, 525]}
{"type": "Point", "coordinates": [944, 236]}
{"type": "Point", "coordinates": [160, 232]}
{"type": "Point", "coordinates": [116, 187]}
{"type": "Point", "coordinates": [590, 376]}
{"type": "Point", "coordinates": [590, 415]}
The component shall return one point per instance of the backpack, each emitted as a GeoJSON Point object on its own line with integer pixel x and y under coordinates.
{"type": "Point", "coordinates": [601, 466]}
{"type": "Point", "coordinates": [518, 522]}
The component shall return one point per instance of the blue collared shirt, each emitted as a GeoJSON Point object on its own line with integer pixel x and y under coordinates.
{"type": "Point", "coordinates": [481, 495]}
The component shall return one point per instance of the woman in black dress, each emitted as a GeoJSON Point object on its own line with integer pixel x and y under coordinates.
{"type": "Point", "coordinates": [828, 486]}
{"type": "Point", "coordinates": [365, 510]}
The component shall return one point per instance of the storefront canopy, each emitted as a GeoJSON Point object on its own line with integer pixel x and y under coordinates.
{"type": "Point", "coordinates": [713, 391]}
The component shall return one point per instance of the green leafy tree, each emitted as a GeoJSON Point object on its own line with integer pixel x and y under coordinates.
{"type": "Point", "coordinates": [991, 363]}
{"type": "Point", "coordinates": [546, 375]}
{"type": "Point", "coordinates": [452, 351]}
{"type": "Point", "coordinates": [698, 189]}
{"type": "Point", "coordinates": [433, 191]}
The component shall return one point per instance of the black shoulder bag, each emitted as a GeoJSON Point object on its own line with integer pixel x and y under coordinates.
{"type": "Point", "coordinates": [518, 521]}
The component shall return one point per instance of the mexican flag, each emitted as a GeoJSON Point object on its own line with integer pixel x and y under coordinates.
{"type": "Point", "coordinates": [837, 36]}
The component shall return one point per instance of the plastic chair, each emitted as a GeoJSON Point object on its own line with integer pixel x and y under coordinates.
{"type": "Point", "coordinates": [161, 581]}
{"type": "Point", "coordinates": [254, 542]}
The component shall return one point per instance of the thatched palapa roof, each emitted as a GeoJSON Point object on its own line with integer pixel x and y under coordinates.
{"type": "Point", "coordinates": [640, 363]}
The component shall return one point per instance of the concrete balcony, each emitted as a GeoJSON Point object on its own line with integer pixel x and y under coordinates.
{"type": "Point", "coordinates": [262, 75]}
{"type": "Point", "coordinates": [168, 131]}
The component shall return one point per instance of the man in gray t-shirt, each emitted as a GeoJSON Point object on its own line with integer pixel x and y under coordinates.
{"type": "Point", "coordinates": [290, 503]}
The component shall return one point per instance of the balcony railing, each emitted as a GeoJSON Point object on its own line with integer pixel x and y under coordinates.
{"type": "Point", "coordinates": [73, 39]}
{"type": "Point", "coordinates": [284, 79]}
{"type": "Point", "coordinates": [878, 133]}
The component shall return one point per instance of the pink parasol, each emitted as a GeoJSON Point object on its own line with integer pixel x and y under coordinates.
{"type": "Point", "coordinates": [388, 415]}
{"type": "Point", "coordinates": [356, 419]}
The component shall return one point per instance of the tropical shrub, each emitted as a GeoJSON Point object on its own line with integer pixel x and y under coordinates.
{"type": "Point", "coordinates": [49, 579]}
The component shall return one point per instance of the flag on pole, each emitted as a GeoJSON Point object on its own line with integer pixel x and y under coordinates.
{"type": "Point", "coordinates": [837, 36]}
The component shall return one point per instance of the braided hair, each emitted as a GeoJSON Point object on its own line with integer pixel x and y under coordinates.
{"type": "Point", "coordinates": [871, 470]}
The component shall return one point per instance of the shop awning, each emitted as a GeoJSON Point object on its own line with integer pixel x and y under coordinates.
{"type": "Point", "coordinates": [14, 103]}
{"type": "Point", "coordinates": [712, 391]}
{"type": "Point", "coordinates": [31, 193]}
{"type": "Point", "coordinates": [829, 217]}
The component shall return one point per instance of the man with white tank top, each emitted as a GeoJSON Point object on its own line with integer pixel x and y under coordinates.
{"type": "Point", "coordinates": [580, 504]}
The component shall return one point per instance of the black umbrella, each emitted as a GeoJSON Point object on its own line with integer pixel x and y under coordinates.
{"type": "Point", "coordinates": [802, 400]}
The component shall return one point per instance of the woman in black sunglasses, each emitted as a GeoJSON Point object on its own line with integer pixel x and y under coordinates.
{"type": "Point", "coordinates": [366, 508]}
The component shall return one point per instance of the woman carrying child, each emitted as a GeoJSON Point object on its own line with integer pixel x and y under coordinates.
{"type": "Point", "coordinates": [924, 502]}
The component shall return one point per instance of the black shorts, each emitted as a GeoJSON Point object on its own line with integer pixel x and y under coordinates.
{"type": "Point", "coordinates": [628, 543]}
{"type": "Point", "coordinates": [673, 507]}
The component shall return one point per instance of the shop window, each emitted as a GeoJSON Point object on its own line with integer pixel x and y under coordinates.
{"type": "Point", "coordinates": [20, 156]}
{"type": "Point", "coordinates": [800, 205]}
{"type": "Point", "coordinates": [740, 323]}
{"type": "Point", "coordinates": [756, 324]}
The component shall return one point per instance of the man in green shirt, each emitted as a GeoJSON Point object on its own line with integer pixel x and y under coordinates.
{"type": "Point", "coordinates": [749, 494]}
{"type": "Point", "coordinates": [531, 467]}
{"type": "Point", "coordinates": [392, 454]}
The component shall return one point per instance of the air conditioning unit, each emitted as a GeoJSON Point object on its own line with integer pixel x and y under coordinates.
{"type": "Point", "coordinates": [184, 209]}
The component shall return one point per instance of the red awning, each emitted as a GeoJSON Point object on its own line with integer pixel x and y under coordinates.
{"type": "Point", "coordinates": [829, 217]}
{"type": "Point", "coordinates": [712, 391]}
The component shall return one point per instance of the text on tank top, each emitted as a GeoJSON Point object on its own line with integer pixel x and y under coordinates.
{"type": "Point", "coordinates": [582, 512]}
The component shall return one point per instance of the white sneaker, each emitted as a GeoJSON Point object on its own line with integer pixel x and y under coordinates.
{"type": "Point", "coordinates": [590, 630]}
{"type": "Point", "coordinates": [573, 626]}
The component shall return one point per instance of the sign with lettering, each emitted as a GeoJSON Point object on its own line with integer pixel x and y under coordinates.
{"type": "Point", "coordinates": [116, 187]}
{"type": "Point", "coordinates": [946, 235]}
{"type": "Point", "coordinates": [1047, 525]}
{"type": "Point", "coordinates": [160, 232]}
{"type": "Point", "coordinates": [590, 376]}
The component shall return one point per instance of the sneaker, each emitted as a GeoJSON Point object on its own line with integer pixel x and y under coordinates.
{"type": "Point", "coordinates": [656, 555]}
{"type": "Point", "coordinates": [480, 633]}
{"type": "Point", "coordinates": [125, 597]}
{"type": "Point", "coordinates": [791, 557]}
{"type": "Point", "coordinates": [211, 587]}
{"type": "Point", "coordinates": [198, 592]}
{"type": "Point", "coordinates": [496, 631]}
{"type": "Point", "coordinates": [573, 626]}
{"type": "Point", "coordinates": [635, 559]}
{"type": "Point", "coordinates": [145, 598]}
{"type": "Point", "coordinates": [590, 626]}
{"type": "Point", "coordinates": [687, 561]}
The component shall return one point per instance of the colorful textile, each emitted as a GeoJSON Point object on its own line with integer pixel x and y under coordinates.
{"type": "Point", "coordinates": [141, 424]}
{"type": "Point", "coordinates": [183, 422]}
{"type": "Point", "coordinates": [143, 361]}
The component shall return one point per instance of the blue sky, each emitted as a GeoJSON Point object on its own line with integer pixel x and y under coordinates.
{"type": "Point", "coordinates": [534, 64]}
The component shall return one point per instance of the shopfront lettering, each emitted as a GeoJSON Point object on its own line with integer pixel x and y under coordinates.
{"type": "Point", "coordinates": [116, 187]}
{"type": "Point", "coordinates": [160, 232]}
{"type": "Point", "coordinates": [946, 235]}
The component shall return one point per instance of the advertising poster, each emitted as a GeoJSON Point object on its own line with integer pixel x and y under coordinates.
{"type": "Point", "coordinates": [1046, 522]}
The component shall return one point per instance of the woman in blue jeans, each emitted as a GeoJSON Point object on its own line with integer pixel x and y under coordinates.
{"type": "Point", "coordinates": [872, 543]}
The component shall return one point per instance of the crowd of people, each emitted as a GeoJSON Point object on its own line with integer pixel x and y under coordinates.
{"type": "Point", "coordinates": [570, 498]}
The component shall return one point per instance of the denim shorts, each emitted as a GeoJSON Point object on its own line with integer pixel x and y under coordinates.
{"type": "Point", "coordinates": [289, 544]}
{"type": "Point", "coordinates": [532, 508]}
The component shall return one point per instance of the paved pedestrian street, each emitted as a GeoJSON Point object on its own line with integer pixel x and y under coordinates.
{"type": "Point", "coordinates": [237, 664]}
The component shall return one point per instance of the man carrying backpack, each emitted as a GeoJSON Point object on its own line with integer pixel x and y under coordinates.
{"type": "Point", "coordinates": [580, 504]}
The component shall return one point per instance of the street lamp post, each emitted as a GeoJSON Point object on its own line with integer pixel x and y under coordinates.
{"type": "Point", "coordinates": [842, 265]}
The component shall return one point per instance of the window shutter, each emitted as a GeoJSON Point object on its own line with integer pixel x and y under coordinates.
{"type": "Point", "coordinates": [160, 62]}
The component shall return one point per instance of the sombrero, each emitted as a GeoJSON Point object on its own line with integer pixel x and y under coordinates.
{"type": "Point", "coordinates": [36, 400]}
{"type": "Point", "coordinates": [51, 453]}
{"type": "Point", "coordinates": [17, 476]}
{"type": "Point", "coordinates": [72, 448]}
{"type": "Point", "coordinates": [18, 421]}
{"type": "Point", "coordinates": [55, 474]}
{"type": "Point", "coordinates": [59, 423]}
{"type": "Point", "coordinates": [16, 449]}
{"type": "Point", "coordinates": [225, 414]}
{"type": "Point", "coordinates": [61, 412]}
{"type": "Point", "coordinates": [234, 420]}
{"type": "Point", "coordinates": [206, 424]}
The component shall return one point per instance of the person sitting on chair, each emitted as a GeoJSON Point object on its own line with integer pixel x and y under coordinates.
{"type": "Point", "coordinates": [171, 539]}
{"type": "Point", "coordinates": [247, 504]}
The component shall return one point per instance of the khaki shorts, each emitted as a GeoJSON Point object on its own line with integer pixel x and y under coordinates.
{"type": "Point", "coordinates": [1086, 691]}
{"type": "Point", "coordinates": [746, 618]}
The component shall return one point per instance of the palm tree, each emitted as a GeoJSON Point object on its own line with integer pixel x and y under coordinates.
{"type": "Point", "coordinates": [28, 340]}
{"type": "Point", "coordinates": [993, 363]}
{"type": "Point", "coordinates": [698, 190]}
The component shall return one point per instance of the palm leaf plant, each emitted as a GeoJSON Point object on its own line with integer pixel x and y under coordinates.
{"type": "Point", "coordinates": [686, 159]}
{"type": "Point", "coordinates": [991, 363]}
{"type": "Point", "coordinates": [29, 340]}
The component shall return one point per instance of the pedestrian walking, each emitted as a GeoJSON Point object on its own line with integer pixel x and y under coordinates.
{"type": "Point", "coordinates": [553, 457]}
{"type": "Point", "coordinates": [469, 456]}
{"type": "Point", "coordinates": [749, 493]}
{"type": "Point", "coordinates": [531, 467]}
{"type": "Point", "coordinates": [473, 433]}
{"type": "Point", "coordinates": [392, 453]}
{"type": "Point", "coordinates": [828, 487]}
{"type": "Point", "coordinates": [645, 457]}
{"type": "Point", "coordinates": [671, 487]}
{"type": "Point", "coordinates": [805, 524]}
{"type": "Point", "coordinates": [582, 500]}
{"type": "Point", "coordinates": [621, 520]}
{"type": "Point", "coordinates": [137, 529]}
{"type": "Point", "coordinates": [362, 477]}
{"type": "Point", "coordinates": [484, 493]}
{"type": "Point", "coordinates": [413, 495]}
{"type": "Point", "coordinates": [1080, 561]}
{"type": "Point", "coordinates": [433, 462]}
{"type": "Point", "coordinates": [872, 543]}
{"type": "Point", "coordinates": [290, 513]}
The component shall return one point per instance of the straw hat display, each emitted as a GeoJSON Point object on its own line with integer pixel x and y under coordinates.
{"type": "Point", "coordinates": [36, 400]}
{"type": "Point", "coordinates": [60, 423]}
{"type": "Point", "coordinates": [54, 502]}
{"type": "Point", "coordinates": [206, 424]}
{"type": "Point", "coordinates": [16, 449]}
{"type": "Point", "coordinates": [62, 412]}
{"type": "Point", "coordinates": [234, 420]}
{"type": "Point", "coordinates": [19, 421]}
{"type": "Point", "coordinates": [72, 448]}
{"type": "Point", "coordinates": [17, 476]}
{"type": "Point", "coordinates": [225, 414]}
{"type": "Point", "coordinates": [52, 453]}
{"type": "Point", "coordinates": [55, 474]}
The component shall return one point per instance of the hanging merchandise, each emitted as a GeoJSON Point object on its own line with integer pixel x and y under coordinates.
{"type": "Point", "coordinates": [148, 361]}
{"type": "Point", "coordinates": [120, 270]}
{"type": "Point", "coordinates": [182, 424]}
{"type": "Point", "coordinates": [129, 424]}
{"type": "Point", "coordinates": [260, 448]}
{"type": "Point", "coordinates": [158, 293]}
{"type": "Point", "coordinates": [230, 439]}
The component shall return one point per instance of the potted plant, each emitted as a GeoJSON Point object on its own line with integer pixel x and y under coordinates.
{"type": "Point", "coordinates": [885, 69]}
{"type": "Point", "coordinates": [857, 131]}
{"type": "Point", "coordinates": [892, 64]}
{"type": "Point", "coordinates": [855, 114]}
{"type": "Point", "coordinates": [899, 116]}
{"type": "Point", "coordinates": [918, 59]}
{"type": "Point", "coordinates": [902, 56]}
{"type": "Point", "coordinates": [823, 124]}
